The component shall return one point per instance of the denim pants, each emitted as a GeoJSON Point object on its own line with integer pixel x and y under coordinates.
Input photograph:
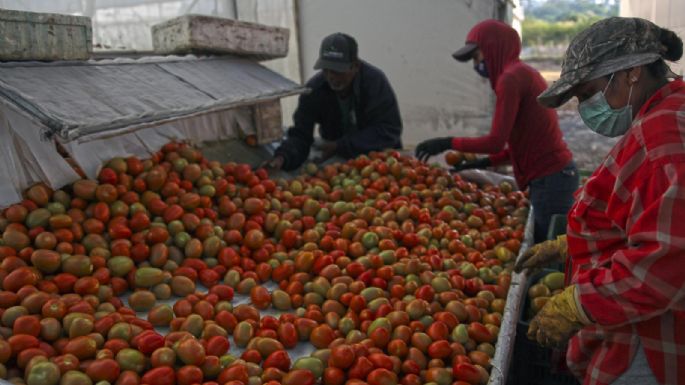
{"type": "Point", "coordinates": [638, 372]}
{"type": "Point", "coordinates": [552, 194]}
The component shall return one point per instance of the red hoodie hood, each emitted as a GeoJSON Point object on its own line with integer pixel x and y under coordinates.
{"type": "Point", "coordinates": [499, 43]}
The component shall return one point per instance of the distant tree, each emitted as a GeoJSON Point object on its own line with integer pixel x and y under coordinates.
{"type": "Point", "coordinates": [565, 10]}
{"type": "Point", "coordinates": [557, 21]}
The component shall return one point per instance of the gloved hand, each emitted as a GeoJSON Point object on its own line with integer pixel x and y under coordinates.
{"type": "Point", "coordinates": [542, 254]}
{"type": "Point", "coordinates": [431, 147]}
{"type": "Point", "coordinates": [560, 318]}
{"type": "Point", "coordinates": [478, 163]}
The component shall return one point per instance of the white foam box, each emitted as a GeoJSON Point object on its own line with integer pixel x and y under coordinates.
{"type": "Point", "coordinates": [44, 36]}
{"type": "Point", "coordinates": [216, 35]}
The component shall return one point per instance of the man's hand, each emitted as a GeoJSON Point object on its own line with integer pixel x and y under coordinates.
{"type": "Point", "coordinates": [327, 150]}
{"type": "Point", "coordinates": [431, 147]}
{"type": "Point", "coordinates": [275, 163]}
{"type": "Point", "coordinates": [543, 253]}
{"type": "Point", "coordinates": [560, 318]}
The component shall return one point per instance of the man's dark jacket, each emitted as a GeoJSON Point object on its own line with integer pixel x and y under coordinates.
{"type": "Point", "coordinates": [379, 125]}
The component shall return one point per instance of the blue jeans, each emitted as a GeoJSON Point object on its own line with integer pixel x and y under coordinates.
{"type": "Point", "coordinates": [638, 372]}
{"type": "Point", "coordinates": [552, 194]}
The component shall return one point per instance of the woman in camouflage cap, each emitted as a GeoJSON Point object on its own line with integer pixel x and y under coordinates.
{"type": "Point", "coordinates": [623, 313]}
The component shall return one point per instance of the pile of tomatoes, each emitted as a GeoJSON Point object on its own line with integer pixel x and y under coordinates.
{"type": "Point", "coordinates": [395, 271]}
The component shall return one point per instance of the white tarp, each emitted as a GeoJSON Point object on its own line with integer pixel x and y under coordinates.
{"type": "Point", "coordinates": [26, 156]}
{"type": "Point", "coordinates": [75, 99]}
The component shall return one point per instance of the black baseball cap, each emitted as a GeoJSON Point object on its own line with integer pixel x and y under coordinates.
{"type": "Point", "coordinates": [338, 53]}
{"type": "Point", "coordinates": [465, 53]}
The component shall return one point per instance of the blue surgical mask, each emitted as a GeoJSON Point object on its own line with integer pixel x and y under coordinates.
{"type": "Point", "coordinates": [604, 120]}
{"type": "Point", "coordinates": [481, 69]}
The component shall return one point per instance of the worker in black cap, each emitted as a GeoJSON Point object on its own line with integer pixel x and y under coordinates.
{"type": "Point", "coordinates": [351, 101]}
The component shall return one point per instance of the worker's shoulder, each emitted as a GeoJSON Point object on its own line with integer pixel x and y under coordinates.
{"type": "Point", "coordinates": [660, 132]}
{"type": "Point", "coordinates": [521, 70]}
{"type": "Point", "coordinates": [370, 69]}
{"type": "Point", "coordinates": [372, 74]}
{"type": "Point", "coordinates": [665, 113]}
{"type": "Point", "coordinates": [523, 77]}
{"type": "Point", "coordinates": [316, 82]}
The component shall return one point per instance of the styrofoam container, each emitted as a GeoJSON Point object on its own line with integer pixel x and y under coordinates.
{"type": "Point", "coordinates": [216, 35]}
{"type": "Point", "coordinates": [44, 36]}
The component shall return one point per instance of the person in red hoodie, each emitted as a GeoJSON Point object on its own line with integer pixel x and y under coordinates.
{"type": "Point", "coordinates": [523, 132]}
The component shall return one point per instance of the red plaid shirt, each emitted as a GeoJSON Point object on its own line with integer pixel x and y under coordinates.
{"type": "Point", "coordinates": [627, 247]}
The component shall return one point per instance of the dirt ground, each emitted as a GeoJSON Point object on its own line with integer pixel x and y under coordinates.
{"type": "Point", "coordinates": [589, 149]}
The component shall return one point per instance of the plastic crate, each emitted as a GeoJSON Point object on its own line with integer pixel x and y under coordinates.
{"type": "Point", "coordinates": [532, 364]}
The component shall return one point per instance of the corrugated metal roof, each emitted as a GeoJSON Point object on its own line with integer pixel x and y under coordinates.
{"type": "Point", "coordinates": [75, 99]}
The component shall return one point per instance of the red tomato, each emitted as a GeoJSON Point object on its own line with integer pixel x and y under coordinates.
{"type": "Point", "coordinates": [466, 372]}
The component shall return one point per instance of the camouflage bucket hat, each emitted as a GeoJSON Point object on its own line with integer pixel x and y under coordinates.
{"type": "Point", "coordinates": [608, 46]}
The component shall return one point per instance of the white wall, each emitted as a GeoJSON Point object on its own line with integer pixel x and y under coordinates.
{"type": "Point", "coordinates": [412, 42]}
{"type": "Point", "coordinates": [664, 13]}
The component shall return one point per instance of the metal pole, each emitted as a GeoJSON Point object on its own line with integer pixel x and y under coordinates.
{"type": "Point", "coordinates": [89, 8]}
{"type": "Point", "coordinates": [190, 7]}
{"type": "Point", "coordinates": [298, 39]}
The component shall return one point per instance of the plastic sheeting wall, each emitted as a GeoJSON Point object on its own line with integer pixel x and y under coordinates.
{"type": "Point", "coordinates": [412, 42]}
{"type": "Point", "coordinates": [26, 157]}
{"type": "Point", "coordinates": [665, 13]}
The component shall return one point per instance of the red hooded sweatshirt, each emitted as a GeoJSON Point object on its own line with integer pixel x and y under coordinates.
{"type": "Point", "coordinates": [522, 130]}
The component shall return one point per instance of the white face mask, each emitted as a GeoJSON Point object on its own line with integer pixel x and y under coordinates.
{"type": "Point", "coordinates": [602, 118]}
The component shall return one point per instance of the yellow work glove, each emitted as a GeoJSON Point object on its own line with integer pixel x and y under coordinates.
{"type": "Point", "coordinates": [560, 318]}
{"type": "Point", "coordinates": [543, 253]}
